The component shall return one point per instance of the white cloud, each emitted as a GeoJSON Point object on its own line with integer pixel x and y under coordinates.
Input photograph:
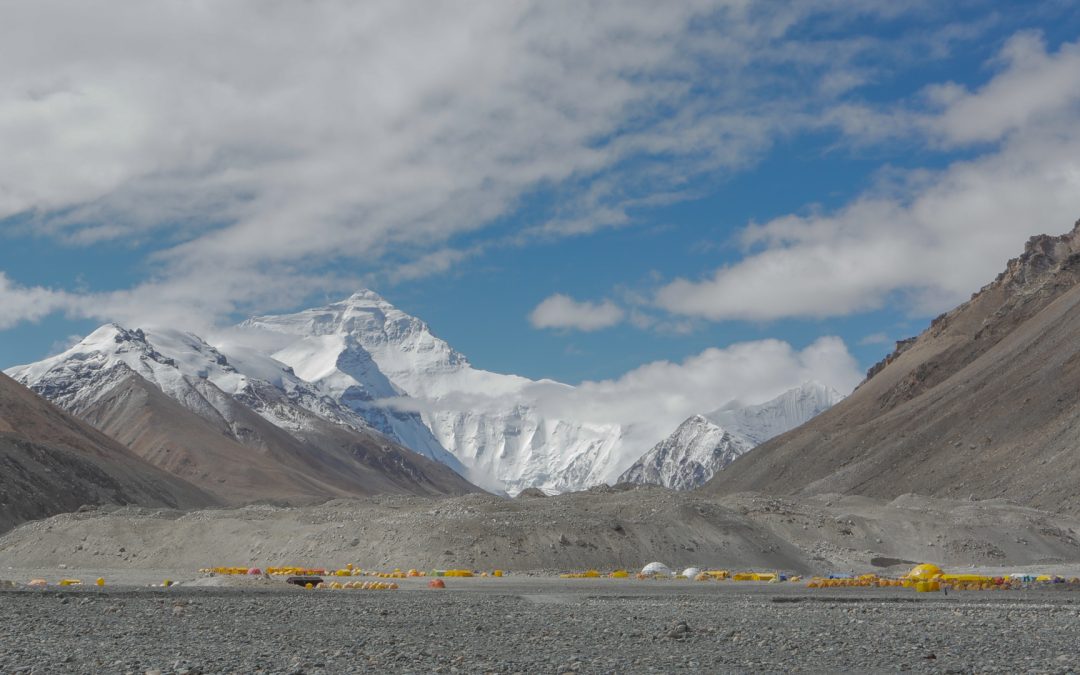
{"type": "Point", "coordinates": [874, 339]}
{"type": "Point", "coordinates": [561, 311]}
{"type": "Point", "coordinates": [652, 400]}
{"type": "Point", "coordinates": [1034, 86]}
{"type": "Point", "coordinates": [27, 303]}
{"type": "Point", "coordinates": [265, 140]}
{"type": "Point", "coordinates": [930, 237]}
{"type": "Point", "coordinates": [60, 346]}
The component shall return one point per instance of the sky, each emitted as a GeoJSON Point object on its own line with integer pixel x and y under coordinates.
{"type": "Point", "coordinates": [622, 194]}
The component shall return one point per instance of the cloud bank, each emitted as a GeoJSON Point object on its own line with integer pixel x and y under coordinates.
{"type": "Point", "coordinates": [650, 401]}
{"type": "Point", "coordinates": [272, 140]}
{"type": "Point", "coordinates": [930, 238]}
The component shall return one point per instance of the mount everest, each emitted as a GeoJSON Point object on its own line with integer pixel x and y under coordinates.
{"type": "Point", "coordinates": [364, 366]}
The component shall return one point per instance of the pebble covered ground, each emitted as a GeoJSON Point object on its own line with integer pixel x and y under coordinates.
{"type": "Point", "coordinates": [536, 627]}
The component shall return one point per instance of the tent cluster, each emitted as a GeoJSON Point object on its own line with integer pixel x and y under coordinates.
{"type": "Point", "coordinates": [657, 570]}
{"type": "Point", "coordinates": [358, 586]}
{"type": "Point", "coordinates": [313, 577]}
{"type": "Point", "coordinates": [42, 583]}
{"type": "Point", "coordinates": [929, 578]}
{"type": "Point", "coordinates": [348, 570]}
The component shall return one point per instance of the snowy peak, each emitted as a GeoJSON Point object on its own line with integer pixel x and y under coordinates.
{"type": "Point", "coordinates": [761, 422]}
{"type": "Point", "coordinates": [363, 350]}
{"type": "Point", "coordinates": [689, 457]}
{"type": "Point", "coordinates": [401, 344]}
{"type": "Point", "coordinates": [367, 354]}
{"type": "Point", "coordinates": [706, 444]}
{"type": "Point", "coordinates": [365, 364]}
{"type": "Point", "coordinates": [104, 357]}
{"type": "Point", "coordinates": [186, 368]}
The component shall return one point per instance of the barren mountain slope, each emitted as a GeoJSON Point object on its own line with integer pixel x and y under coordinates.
{"type": "Point", "coordinates": [983, 403]}
{"type": "Point", "coordinates": [51, 462]}
{"type": "Point", "coordinates": [247, 458]}
{"type": "Point", "coordinates": [245, 434]}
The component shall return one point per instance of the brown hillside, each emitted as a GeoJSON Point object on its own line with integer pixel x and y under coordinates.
{"type": "Point", "coordinates": [984, 403]}
{"type": "Point", "coordinates": [51, 462]}
{"type": "Point", "coordinates": [246, 458]}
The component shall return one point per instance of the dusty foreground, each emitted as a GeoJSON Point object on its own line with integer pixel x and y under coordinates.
{"type": "Point", "coordinates": [603, 529]}
{"type": "Point", "coordinates": [537, 626]}
{"type": "Point", "coordinates": [541, 623]}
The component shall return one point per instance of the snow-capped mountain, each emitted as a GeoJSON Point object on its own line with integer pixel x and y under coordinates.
{"type": "Point", "coordinates": [258, 430]}
{"type": "Point", "coordinates": [187, 369]}
{"type": "Point", "coordinates": [369, 354]}
{"type": "Point", "coordinates": [759, 423]}
{"type": "Point", "coordinates": [689, 456]}
{"type": "Point", "coordinates": [705, 444]}
{"type": "Point", "coordinates": [363, 364]}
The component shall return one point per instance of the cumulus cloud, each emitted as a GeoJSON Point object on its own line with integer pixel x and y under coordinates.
{"type": "Point", "coordinates": [266, 140]}
{"type": "Point", "coordinates": [28, 303]}
{"type": "Point", "coordinates": [561, 311]}
{"type": "Point", "coordinates": [1034, 86]}
{"type": "Point", "coordinates": [927, 238]}
{"type": "Point", "coordinates": [649, 402]}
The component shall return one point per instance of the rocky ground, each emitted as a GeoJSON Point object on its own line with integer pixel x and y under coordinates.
{"type": "Point", "coordinates": [605, 529]}
{"type": "Point", "coordinates": [537, 626]}
{"type": "Point", "coordinates": [532, 621]}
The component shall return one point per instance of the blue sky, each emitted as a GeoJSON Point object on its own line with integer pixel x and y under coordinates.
{"type": "Point", "coordinates": [561, 190]}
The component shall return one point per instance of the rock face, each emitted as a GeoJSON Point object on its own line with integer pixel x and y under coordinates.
{"type": "Point", "coordinates": [51, 462]}
{"type": "Point", "coordinates": [245, 431]}
{"type": "Point", "coordinates": [984, 403]}
{"type": "Point", "coordinates": [706, 444]}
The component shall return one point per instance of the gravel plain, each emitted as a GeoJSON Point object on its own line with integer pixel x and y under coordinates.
{"type": "Point", "coordinates": [536, 625]}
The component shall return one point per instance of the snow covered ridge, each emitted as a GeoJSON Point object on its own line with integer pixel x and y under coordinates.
{"type": "Point", "coordinates": [186, 368]}
{"type": "Point", "coordinates": [363, 363]}
{"type": "Point", "coordinates": [364, 351]}
{"type": "Point", "coordinates": [705, 444]}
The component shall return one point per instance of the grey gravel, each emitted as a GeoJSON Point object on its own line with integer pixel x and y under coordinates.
{"type": "Point", "coordinates": [582, 629]}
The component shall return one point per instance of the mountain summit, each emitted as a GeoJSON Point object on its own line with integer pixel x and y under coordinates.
{"type": "Point", "coordinates": [372, 356]}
